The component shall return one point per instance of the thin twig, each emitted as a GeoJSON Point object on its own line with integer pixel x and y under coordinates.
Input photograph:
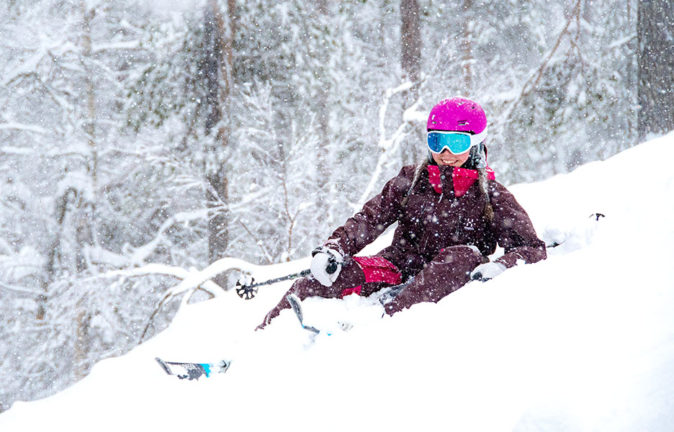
{"type": "Point", "coordinates": [258, 242]}
{"type": "Point", "coordinates": [291, 218]}
{"type": "Point", "coordinates": [533, 81]}
{"type": "Point", "coordinates": [166, 297]}
{"type": "Point", "coordinates": [151, 319]}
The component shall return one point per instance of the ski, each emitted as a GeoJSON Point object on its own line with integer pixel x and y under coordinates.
{"type": "Point", "coordinates": [193, 371]}
{"type": "Point", "coordinates": [295, 304]}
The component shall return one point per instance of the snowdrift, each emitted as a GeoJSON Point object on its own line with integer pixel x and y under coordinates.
{"type": "Point", "coordinates": [581, 342]}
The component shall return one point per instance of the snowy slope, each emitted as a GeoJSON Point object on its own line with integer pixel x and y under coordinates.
{"type": "Point", "coordinates": [581, 342]}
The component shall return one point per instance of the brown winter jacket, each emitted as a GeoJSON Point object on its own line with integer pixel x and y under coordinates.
{"type": "Point", "coordinates": [435, 217]}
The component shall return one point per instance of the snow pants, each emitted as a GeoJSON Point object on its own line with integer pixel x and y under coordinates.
{"type": "Point", "coordinates": [446, 273]}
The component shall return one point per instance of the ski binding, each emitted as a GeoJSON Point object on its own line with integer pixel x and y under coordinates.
{"type": "Point", "coordinates": [193, 371]}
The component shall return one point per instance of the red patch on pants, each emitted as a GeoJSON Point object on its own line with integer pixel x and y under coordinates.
{"type": "Point", "coordinates": [375, 269]}
{"type": "Point", "coordinates": [355, 290]}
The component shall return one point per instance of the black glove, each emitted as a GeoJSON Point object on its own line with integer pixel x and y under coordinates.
{"type": "Point", "coordinates": [487, 271]}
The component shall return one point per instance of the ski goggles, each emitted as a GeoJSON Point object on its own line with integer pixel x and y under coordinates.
{"type": "Point", "coordinates": [455, 142]}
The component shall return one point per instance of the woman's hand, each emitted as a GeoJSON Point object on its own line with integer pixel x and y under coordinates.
{"type": "Point", "coordinates": [326, 265]}
{"type": "Point", "coordinates": [487, 271]}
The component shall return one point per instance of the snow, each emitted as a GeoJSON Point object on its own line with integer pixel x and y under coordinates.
{"type": "Point", "coordinates": [583, 341]}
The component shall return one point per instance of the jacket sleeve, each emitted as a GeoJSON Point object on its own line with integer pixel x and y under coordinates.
{"type": "Point", "coordinates": [513, 229]}
{"type": "Point", "coordinates": [375, 216]}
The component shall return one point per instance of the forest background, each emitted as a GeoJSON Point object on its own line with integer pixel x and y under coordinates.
{"type": "Point", "coordinates": [142, 139]}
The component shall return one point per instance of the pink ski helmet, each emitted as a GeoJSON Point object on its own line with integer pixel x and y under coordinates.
{"type": "Point", "coordinates": [458, 115]}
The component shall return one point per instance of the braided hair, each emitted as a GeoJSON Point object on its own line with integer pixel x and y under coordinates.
{"type": "Point", "coordinates": [417, 175]}
{"type": "Point", "coordinates": [478, 157]}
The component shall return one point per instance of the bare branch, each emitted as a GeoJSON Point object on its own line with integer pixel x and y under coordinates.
{"type": "Point", "coordinates": [533, 81]}
{"type": "Point", "coordinates": [258, 242]}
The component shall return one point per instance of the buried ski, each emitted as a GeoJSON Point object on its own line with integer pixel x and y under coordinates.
{"type": "Point", "coordinates": [193, 371]}
{"type": "Point", "coordinates": [295, 304]}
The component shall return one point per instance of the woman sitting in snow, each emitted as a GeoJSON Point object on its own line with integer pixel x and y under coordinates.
{"type": "Point", "coordinates": [451, 214]}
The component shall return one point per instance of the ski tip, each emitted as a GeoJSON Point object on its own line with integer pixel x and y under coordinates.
{"type": "Point", "coordinates": [223, 365]}
{"type": "Point", "coordinates": [311, 329]}
{"type": "Point", "coordinates": [163, 365]}
{"type": "Point", "coordinates": [295, 304]}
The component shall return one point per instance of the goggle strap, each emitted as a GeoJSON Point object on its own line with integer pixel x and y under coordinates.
{"type": "Point", "coordinates": [478, 138]}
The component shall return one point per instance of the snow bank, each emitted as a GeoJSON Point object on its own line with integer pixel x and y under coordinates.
{"type": "Point", "coordinates": [581, 342]}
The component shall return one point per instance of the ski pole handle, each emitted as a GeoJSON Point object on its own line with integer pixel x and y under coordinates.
{"type": "Point", "coordinates": [248, 291]}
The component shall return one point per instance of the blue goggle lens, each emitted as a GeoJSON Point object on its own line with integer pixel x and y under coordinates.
{"type": "Point", "coordinates": [456, 143]}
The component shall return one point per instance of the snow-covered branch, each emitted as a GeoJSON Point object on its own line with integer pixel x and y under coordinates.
{"type": "Point", "coordinates": [140, 254]}
{"type": "Point", "coordinates": [388, 145]}
{"type": "Point", "coordinates": [23, 127]}
{"type": "Point", "coordinates": [196, 279]}
{"type": "Point", "coordinates": [533, 80]}
{"type": "Point", "coordinates": [111, 46]}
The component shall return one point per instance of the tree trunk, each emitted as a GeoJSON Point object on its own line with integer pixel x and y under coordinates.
{"type": "Point", "coordinates": [410, 61]}
{"type": "Point", "coordinates": [410, 42]}
{"type": "Point", "coordinates": [655, 32]}
{"type": "Point", "coordinates": [323, 151]}
{"type": "Point", "coordinates": [86, 210]}
{"type": "Point", "coordinates": [218, 234]}
{"type": "Point", "coordinates": [82, 344]}
{"type": "Point", "coordinates": [217, 71]}
{"type": "Point", "coordinates": [467, 48]}
{"type": "Point", "coordinates": [90, 125]}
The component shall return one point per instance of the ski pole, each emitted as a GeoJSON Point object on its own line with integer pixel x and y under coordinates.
{"type": "Point", "coordinates": [248, 291]}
